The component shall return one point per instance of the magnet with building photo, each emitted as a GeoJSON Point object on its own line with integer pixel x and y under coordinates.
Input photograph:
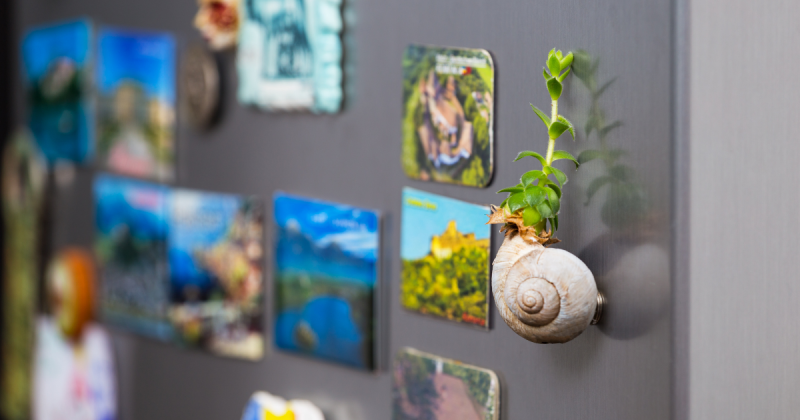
{"type": "Point", "coordinates": [136, 108]}
{"type": "Point", "coordinates": [448, 115]}
{"type": "Point", "coordinates": [445, 246]}
{"type": "Point", "coordinates": [215, 263]}
{"type": "Point", "coordinates": [290, 55]}
{"type": "Point", "coordinates": [326, 273]}
{"type": "Point", "coordinates": [431, 387]}
{"type": "Point", "coordinates": [57, 62]}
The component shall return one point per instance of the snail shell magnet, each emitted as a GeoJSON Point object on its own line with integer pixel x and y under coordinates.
{"type": "Point", "coordinates": [545, 295]}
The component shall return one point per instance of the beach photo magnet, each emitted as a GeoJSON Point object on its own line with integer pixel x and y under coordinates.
{"type": "Point", "coordinates": [326, 276]}
{"type": "Point", "coordinates": [136, 108]}
{"type": "Point", "coordinates": [290, 55]}
{"type": "Point", "coordinates": [448, 115]}
{"type": "Point", "coordinates": [216, 260]}
{"type": "Point", "coordinates": [58, 62]}
{"type": "Point", "coordinates": [445, 246]}
{"type": "Point", "coordinates": [430, 387]}
{"type": "Point", "coordinates": [131, 230]}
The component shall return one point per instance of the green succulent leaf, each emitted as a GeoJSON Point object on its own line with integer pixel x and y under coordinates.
{"type": "Point", "coordinates": [555, 88]}
{"type": "Point", "coordinates": [607, 129]}
{"type": "Point", "coordinates": [564, 75]}
{"type": "Point", "coordinates": [595, 186]}
{"type": "Point", "coordinates": [560, 154]}
{"type": "Point", "coordinates": [560, 55]}
{"type": "Point", "coordinates": [545, 74]}
{"type": "Point", "coordinates": [554, 223]}
{"type": "Point", "coordinates": [555, 188]}
{"type": "Point", "coordinates": [554, 65]}
{"type": "Point", "coordinates": [511, 190]}
{"type": "Point", "coordinates": [557, 128]}
{"type": "Point", "coordinates": [545, 210]}
{"type": "Point", "coordinates": [566, 61]}
{"type": "Point", "coordinates": [503, 204]}
{"type": "Point", "coordinates": [570, 127]}
{"type": "Point", "coordinates": [542, 116]}
{"type": "Point", "coordinates": [516, 202]}
{"type": "Point", "coordinates": [530, 176]}
{"type": "Point", "coordinates": [588, 155]}
{"type": "Point", "coordinates": [554, 200]}
{"type": "Point", "coordinates": [535, 194]}
{"type": "Point", "coordinates": [525, 154]}
{"type": "Point", "coordinates": [531, 216]}
{"type": "Point", "coordinates": [560, 176]}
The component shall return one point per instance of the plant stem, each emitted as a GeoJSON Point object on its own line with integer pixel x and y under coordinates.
{"type": "Point", "coordinates": [551, 146]}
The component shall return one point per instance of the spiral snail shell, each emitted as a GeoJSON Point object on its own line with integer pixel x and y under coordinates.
{"type": "Point", "coordinates": [545, 295]}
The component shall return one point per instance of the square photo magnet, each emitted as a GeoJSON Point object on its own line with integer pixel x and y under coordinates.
{"type": "Point", "coordinates": [445, 247]}
{"type": "Point", "coordinates": [448, 115]}
{"type": "Point", "coordinates": [425, 386]}
{"type": "Point", "coordinates": [326, 277]}
{"type": "Point", "coordinates": [136, 105]}
{"type": "Point", "coordinates": [216, 282]}
{"type": "Point", "coordinates": [58, 62]}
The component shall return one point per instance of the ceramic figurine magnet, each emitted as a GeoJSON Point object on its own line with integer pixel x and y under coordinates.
{"type": "Point", "coordinates": [73, 370]}
{"type": "Point", "coordinates": [290, 55]}
{"type": "Point", "coordinates": [218, 22]}
{"type": "Point", "coordinates": [264, 406]}
{"type": "Point", "coordinates": [445, 246]}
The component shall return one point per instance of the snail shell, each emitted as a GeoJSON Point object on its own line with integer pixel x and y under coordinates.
{"type": "Point", "coordinates": [545, 295]}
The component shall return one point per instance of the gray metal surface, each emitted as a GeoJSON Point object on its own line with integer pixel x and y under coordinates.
{"type": "Point", "coordinates": [744, 333]}
{"type": "Point", "coordinates": [618, 370]}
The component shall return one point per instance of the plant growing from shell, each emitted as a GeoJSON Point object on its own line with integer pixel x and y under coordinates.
{"type": "Point", "coordinates": [545, 295]}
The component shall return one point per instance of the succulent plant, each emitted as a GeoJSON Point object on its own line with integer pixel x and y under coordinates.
{"type": "Point", "coordinates": [532, 206]}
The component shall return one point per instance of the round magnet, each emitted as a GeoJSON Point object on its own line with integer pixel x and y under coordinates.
{"type": "Point", "coordinates": [200, 86]}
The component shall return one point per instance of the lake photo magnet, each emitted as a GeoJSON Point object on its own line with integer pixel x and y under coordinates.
{"type": "Point", "coordinates": [326, 277]}
{"type": "Point", "coordinates": [136, 108]}
{"type": "Point", "coordinates": [425, 386]}
{"type": "Point", "coordinates": [448, 115]}
{"type": "Point", "coordinates": [216, 260]}
{"type": "Point", "coordinates": [58, 63]}
{"type": "Point", "coordinates": [445, 247]}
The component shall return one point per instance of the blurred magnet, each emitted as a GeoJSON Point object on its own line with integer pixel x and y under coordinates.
{"type": "Point", "coordinates": [290, 55]}
{"type": "Point", "coordinates": [58, 63]}
{"type": "Point", "coordinates": [73, 380]}
{"type": "Point", "coordinates": [24, 177]}
{"type": "Point", "coordinates": [218, 21]}
{"type": "Point", "coordinates": [264, 406]}
{"type": "Point", "coordinates": [70, 291]}
{"type": "Point", "coordinates": [136, 113]}
{"type": "Point", "coordinates": [200, 86]}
